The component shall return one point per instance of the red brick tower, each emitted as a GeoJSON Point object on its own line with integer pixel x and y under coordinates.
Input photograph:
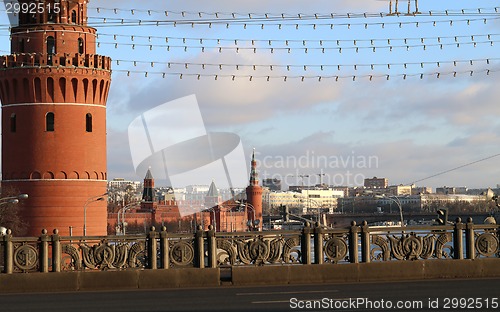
{"type": "Point", "coordinates": [254, 195]}
{"type": "Point", "coordinates": [53, 89]}
{"type": "Point", "coordinates": [148, 203]}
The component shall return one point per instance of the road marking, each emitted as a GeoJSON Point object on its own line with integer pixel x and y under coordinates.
{"type": "Point", "coordinates": [288, 301]}
{"type": "Point", "coordinates": [288, 292]}
{"type": "Point", "coordinates": [267, 302]}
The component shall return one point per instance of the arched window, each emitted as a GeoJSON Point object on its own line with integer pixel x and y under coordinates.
{"type": "Point", "coordinates": [49, 122]}
{"type": "Point", "coordinates": [13, 123]}
{"type": "Point", "coordinates": [88, 122]}
{"type": "Point", "coordinates": [73, 17]}
{"type": "Point", "coordinates": [81, 47]}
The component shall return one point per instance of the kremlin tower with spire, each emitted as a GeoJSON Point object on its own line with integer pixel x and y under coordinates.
{"type": "Point", "coordinates": [254, 196]}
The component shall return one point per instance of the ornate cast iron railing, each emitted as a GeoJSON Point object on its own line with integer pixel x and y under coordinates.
{"type": "Point", "coordinates": [318, 245]}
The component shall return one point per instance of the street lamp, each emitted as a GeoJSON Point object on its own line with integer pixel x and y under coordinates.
{"type": "Point", "coordinates": [89, 201]}
{"type": "Point", "coordinates": [212, 212]}
{"type": "Point", "coordinates": [12, 199]}
{"type": "Point", "coordinates": [318, 205]}
{"type": "Point", "coordinates": [252, 224]}
{"type": "Point", "coordinates": [122, 211]}
{"type": "Point", "coordinates": [398, 203]}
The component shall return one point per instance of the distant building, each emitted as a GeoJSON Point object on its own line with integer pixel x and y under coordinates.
{"type": "Point", "coordinates": [451, 190]}
{"type": "Point", "coordinates": [307, 201]}
{"type": "Point", "coordinates": [320, 200]}
{"type": "Point", "coordinates": [398, 190]}
{"type": "Point", "coordinates": [120, 183]}
{"type": "Point", "coordinates": [376, 182]}
{"type": "Point", "coordinates": [277, 199]}
{"type": "Point", "coordinates": [421, 190]}
{"type": "Point", "coordinates": [272, 184]}
{"type": "Point", "coordinates": [345, 189]}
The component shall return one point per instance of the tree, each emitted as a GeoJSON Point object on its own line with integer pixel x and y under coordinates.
{"type": "Point", "coordinates": [11, 213]}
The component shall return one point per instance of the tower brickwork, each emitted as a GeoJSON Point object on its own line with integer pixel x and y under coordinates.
{"type": "Point", "coordinates": [53, 89]}
{"type": "Point", "coordinates": [254, 195]}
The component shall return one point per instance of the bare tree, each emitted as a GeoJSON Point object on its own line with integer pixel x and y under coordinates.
{"type": "Point", "coordinates": [11, 213]}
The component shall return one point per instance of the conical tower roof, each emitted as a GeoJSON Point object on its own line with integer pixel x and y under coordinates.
{"type": "Point", "coordinates": [212, 190]}
{"type": "Point", "coordinates": [149, 175]}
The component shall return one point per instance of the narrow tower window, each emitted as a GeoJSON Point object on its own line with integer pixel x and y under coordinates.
{"type": "Point", "coordinates": [73, 17]}
{"type": "Point", "coordinates": [13, 123]}
{"type": "Point", "coordinates": [51, 45]}
{"type": "Point", "coordinates": [21, 45]}
{"type": "Point", "coordinates": [49, 122]}
{"type": "Point", "coordinates": [32, 19]}
{"type": "Point", "coordinates": [51, 17]}
{"type": "Point", "coordinates": [51, 49]}
{"type": "Point", "coordinates": [80, 46]}
{"type": "Point", "coordinates": [88, 122]}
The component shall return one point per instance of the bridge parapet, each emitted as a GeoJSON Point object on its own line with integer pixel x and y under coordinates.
{"type": "Point", "coordinates": [210, 249]}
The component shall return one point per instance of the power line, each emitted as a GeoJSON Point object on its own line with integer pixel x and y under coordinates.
{"type": "Point", "coordinates": [456, 168]}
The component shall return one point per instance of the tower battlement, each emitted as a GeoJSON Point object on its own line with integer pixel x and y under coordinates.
{"type": "Point", "coordinates": [38, 60]}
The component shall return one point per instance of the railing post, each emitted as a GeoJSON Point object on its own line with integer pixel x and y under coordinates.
{"type": "Point", "coordinates": [152, 247]}
{"type": "Point", "coordinates": [353, 243]}
{"type": "Point", "coordinates": [306, 243]}
{"type": "Point", "coordinates": [164, 249]}
{"type": "Point", "coordinates": [44, 252]}
{"type": "Point", "coordinates": [469, 240]}
{"type": "Point", "coordinates": [200, 250]}
{"type": "Point", "coordinates": [365, 242]}
{"type": "Point", "coordinates": [458, 240]}
{"type": "Point", "coordinates": [56, 251]}
{"type": "Point", "coordinates": [8, 254]}
{"type": "Point", "coordinates": [318, 244]}
{"type": "Point", "coordinates": [212, 247]}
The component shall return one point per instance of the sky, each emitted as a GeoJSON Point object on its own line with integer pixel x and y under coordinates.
{"type": "Point", "coordinates": [429, 106]}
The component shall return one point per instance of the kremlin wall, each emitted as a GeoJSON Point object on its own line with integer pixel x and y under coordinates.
{"type": "Point", "coordinates": [225, 216]}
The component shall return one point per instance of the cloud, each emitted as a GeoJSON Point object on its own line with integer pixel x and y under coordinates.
{"type": "Point", "coordinates": [224, 101]}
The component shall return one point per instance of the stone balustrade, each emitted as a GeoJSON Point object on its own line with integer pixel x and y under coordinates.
{"type": "Point", "coordinates": [210, 249]}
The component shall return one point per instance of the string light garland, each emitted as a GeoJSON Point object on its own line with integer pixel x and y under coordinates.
{"type": "Point", "coordinates": [289, 67]}
{"type": "Point", "coordinates": [304, 67]}
{"type": "Point", "coordinates": [318, 78]}
{"type": "Point", "coordinates": [199, 41]}
{"type": "Point", "coordinates": [305, 49]}
{"type": "Point", "coordinates": [111, 22]}
{"type": "Point", "coordinates": [256, 15]}
{"type": "Point", "coordinates": [203, 48]}
{"type": "Point", "coordinates": [288, 45]}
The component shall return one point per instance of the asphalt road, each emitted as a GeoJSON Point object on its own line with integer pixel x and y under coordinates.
{"type": "Point", "coordinates": [457, 295]}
